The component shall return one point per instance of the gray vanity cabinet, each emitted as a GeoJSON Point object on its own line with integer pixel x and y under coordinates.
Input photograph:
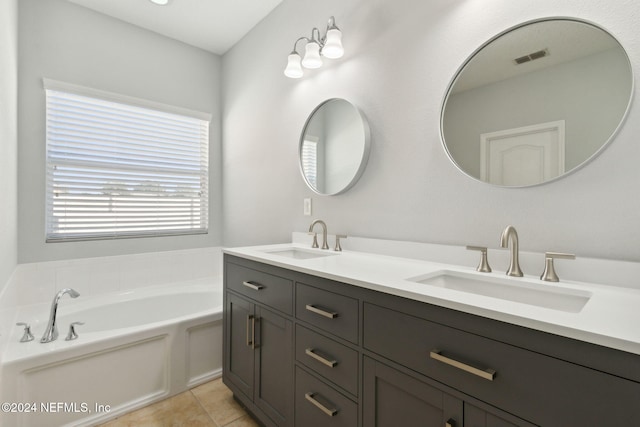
{"type": "Point", "coordinates": [240, 354]}
{"type": "Point", "coordinates": [476, 417]}
{"type": "Point", "coordinates": [318, 404]}
{"type": "Point", "coordinates": [307, 351]}
{"type": "Point", "coordinates": [392, 398]}
{"type": "Point", "coordinates": [327, 375]}
{"type": "Point", "coordinates": [536, 387]}
{"type": "Point", "coordinates": [258, 352]}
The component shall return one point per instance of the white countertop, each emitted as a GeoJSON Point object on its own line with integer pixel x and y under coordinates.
{"type": "Point", "coordinates": [610, 318]}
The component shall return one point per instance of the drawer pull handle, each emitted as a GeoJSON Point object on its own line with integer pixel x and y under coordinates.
{"type": "Point", "coordinates": [487, 374]}
{"type": "Point", "coordinates": [321, 312]}
{"type": "Point", "coordinates": [254, 286]}
{"type": "Point", "coordinates": [311, 352]}
{"type": "Point", "coordinates": [450, 423]}
{"type": "Point", "coordinates": [329, 412]}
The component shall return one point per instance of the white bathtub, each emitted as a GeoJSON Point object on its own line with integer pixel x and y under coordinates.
{"type": "Point", "coordinates": [134, 348]}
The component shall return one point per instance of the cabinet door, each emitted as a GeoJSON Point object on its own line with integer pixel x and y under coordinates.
{"type": "Point", "coordinates": [274, 366]}
{"type": "Point", "coordinates": [239, 351]}
{"type": "Point", "coordinates": [393, 399]}
{"type": "Point", "coordinates": [476, 417]}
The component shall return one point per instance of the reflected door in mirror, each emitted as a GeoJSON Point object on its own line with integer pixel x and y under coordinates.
{"type": "Point", "coordinates": [523, 156]}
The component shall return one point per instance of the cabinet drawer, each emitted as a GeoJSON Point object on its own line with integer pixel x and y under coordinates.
{"type": "Point", "coordinates": [274, 291]}
{"type": "Point", "coordinates": [331, 312]}
{"type": "Point", "coordinates": [333, 361]}
{"type": "Point", "coordinates": [319, 405]}
{"type": "Point", "coordinates": [536, 387]}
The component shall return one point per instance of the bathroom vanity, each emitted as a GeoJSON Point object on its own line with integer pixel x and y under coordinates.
{"type": "Point", "coordinates": [325, 338]}
{"type": "Point", "coordinates": [317, 338]}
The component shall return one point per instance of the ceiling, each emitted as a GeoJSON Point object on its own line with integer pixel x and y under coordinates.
{"type": "Point", "coordinates": [212, 25]}
{"type": "Point", "coordinates": [565, 40]}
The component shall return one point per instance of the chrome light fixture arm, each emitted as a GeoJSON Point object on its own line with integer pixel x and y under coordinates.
{"type": "Point", "coordinates": [319, 39]}
{"type": "Point", "coordinates": [328, 45]}
{"type": "Point", "coordinates": [295, 44]}
{"type": "Point", "coordinates": [331, 25]}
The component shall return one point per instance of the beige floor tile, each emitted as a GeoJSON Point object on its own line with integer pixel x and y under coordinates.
{"type": "Point", "coordinates": [218, 401]}
{"type": "Point", "coordinates": [245, 421]}
{"type": "Point", "coordinates": [180, 410]}
{"type": "Point", "coordinates": [208, 405]}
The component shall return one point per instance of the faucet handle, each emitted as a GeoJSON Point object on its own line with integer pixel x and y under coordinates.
{"type": "Point", "coordinates": [27, 335]}
{"type": "Point", "coordinates": [338, 248]}
{"type": "Point", "coordinates": [549, 273]}
{"type": "Point", "coordinates": [72, 335]}
{"type": "Point", "coordinates": [315, 239]}
{"type": "Point", "coordinates": [483, 267]}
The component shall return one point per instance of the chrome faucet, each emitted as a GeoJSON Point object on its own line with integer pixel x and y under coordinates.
{"type": "Point", "coordinates": [510, 235]}
{"type": "Point", "coordinates": [324, 234]}
{"type": "Point", "coordinates": [52, 331]}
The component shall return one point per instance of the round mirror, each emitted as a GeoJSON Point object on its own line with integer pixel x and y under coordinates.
{"type": "Point", "coordinates": [536, 102]}
{"type": "Point", "coordinates": [334, 147]}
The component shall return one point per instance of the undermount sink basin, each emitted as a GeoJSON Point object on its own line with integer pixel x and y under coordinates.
{"type": "Point", "coordinates": [298, 253]}
{"type": "Point", "coordinates": [541, 295]}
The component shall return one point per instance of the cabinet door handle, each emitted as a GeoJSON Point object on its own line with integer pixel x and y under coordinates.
{"type": "Point", "coordinates": [253, 332]}
{"type": "Point", "coordinates": [487, 374]}
{"type": "Point", "coordinates": [450, 423]}
{"type": "Point", "coordinates": [311, 352]}
{"type": "Point", "coordinates": [252, 285]}
{"type": "Point", "coordinates": [329, 412]}
{"type": "Point", "coordinates": [251, 326]}
{"type": "Point", "coordinates": [249, 340]}
{"type": "Point", "coordinates": [321, 312]}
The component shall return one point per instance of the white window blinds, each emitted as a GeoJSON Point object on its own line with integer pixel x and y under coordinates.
{"type": "Point", "coordinates": [116, 170]}
{"type": "Point", "coordinates": [309, 155]}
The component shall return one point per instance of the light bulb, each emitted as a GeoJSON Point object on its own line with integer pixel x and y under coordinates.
{"type": "Point", "coordinates": [293, 70]}
{"type": "Point", "coordinates": [333, 46]}
{"type": "Point", "coordinates": [312, 55]}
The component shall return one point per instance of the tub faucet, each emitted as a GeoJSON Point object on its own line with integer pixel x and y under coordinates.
{"type": "Point", "coordinates": [510, 234]}
{"type": "Point", "coordinates": [324, 234]}
{"type": "Point", "coordinates": [52, 331]}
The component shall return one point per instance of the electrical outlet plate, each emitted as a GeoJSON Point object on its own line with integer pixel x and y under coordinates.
{"type": "Point", "coordinates": [307, 207]}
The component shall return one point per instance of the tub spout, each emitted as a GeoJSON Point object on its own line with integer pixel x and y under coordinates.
{"type": "Point", "coordinates": [52, 331]}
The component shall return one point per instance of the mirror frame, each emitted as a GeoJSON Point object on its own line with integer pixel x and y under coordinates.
{"type": "Point", "coordinates": [469, 58]}
{"type": "Point", "coordinates": [365, 152]}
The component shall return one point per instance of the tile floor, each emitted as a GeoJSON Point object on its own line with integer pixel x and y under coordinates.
{"type": "Point", "coordinates": [208, 405]}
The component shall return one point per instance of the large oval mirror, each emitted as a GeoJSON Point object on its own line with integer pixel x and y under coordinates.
{"type": "Point", "coordinates": [334, 147]}
{"type": "Point", "coordinates": [536, 102]}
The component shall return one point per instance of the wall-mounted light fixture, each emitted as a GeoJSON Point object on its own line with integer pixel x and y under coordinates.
{"type": "Point", "coordinates": [329, 46]}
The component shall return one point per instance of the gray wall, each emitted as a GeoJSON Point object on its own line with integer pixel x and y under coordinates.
{"type": "Point", "coordinates": [400, 57]}
{"type": "Point", "coordinates": [62, 41]}
{"type": "Point", "coordinates": [8, 138]}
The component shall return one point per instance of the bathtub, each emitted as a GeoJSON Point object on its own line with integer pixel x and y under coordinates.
{"type": "Point", "coordinates": [134, 348]}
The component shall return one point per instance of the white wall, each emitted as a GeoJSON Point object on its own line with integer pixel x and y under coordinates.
{"type": "Point", "coordinates": [8, 138]}
{"type": "Point", "coordinates": [66, 42]}
{"type": "Point", "coordinates": [8, 161]}
{"type": "Point", "coordinates": [400, 57]}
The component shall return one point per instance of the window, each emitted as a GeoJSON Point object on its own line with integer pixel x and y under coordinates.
{"type": "Point", "coordinates": [117, 170]}
{"type": "Point", "coordinates": [309, 154]}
